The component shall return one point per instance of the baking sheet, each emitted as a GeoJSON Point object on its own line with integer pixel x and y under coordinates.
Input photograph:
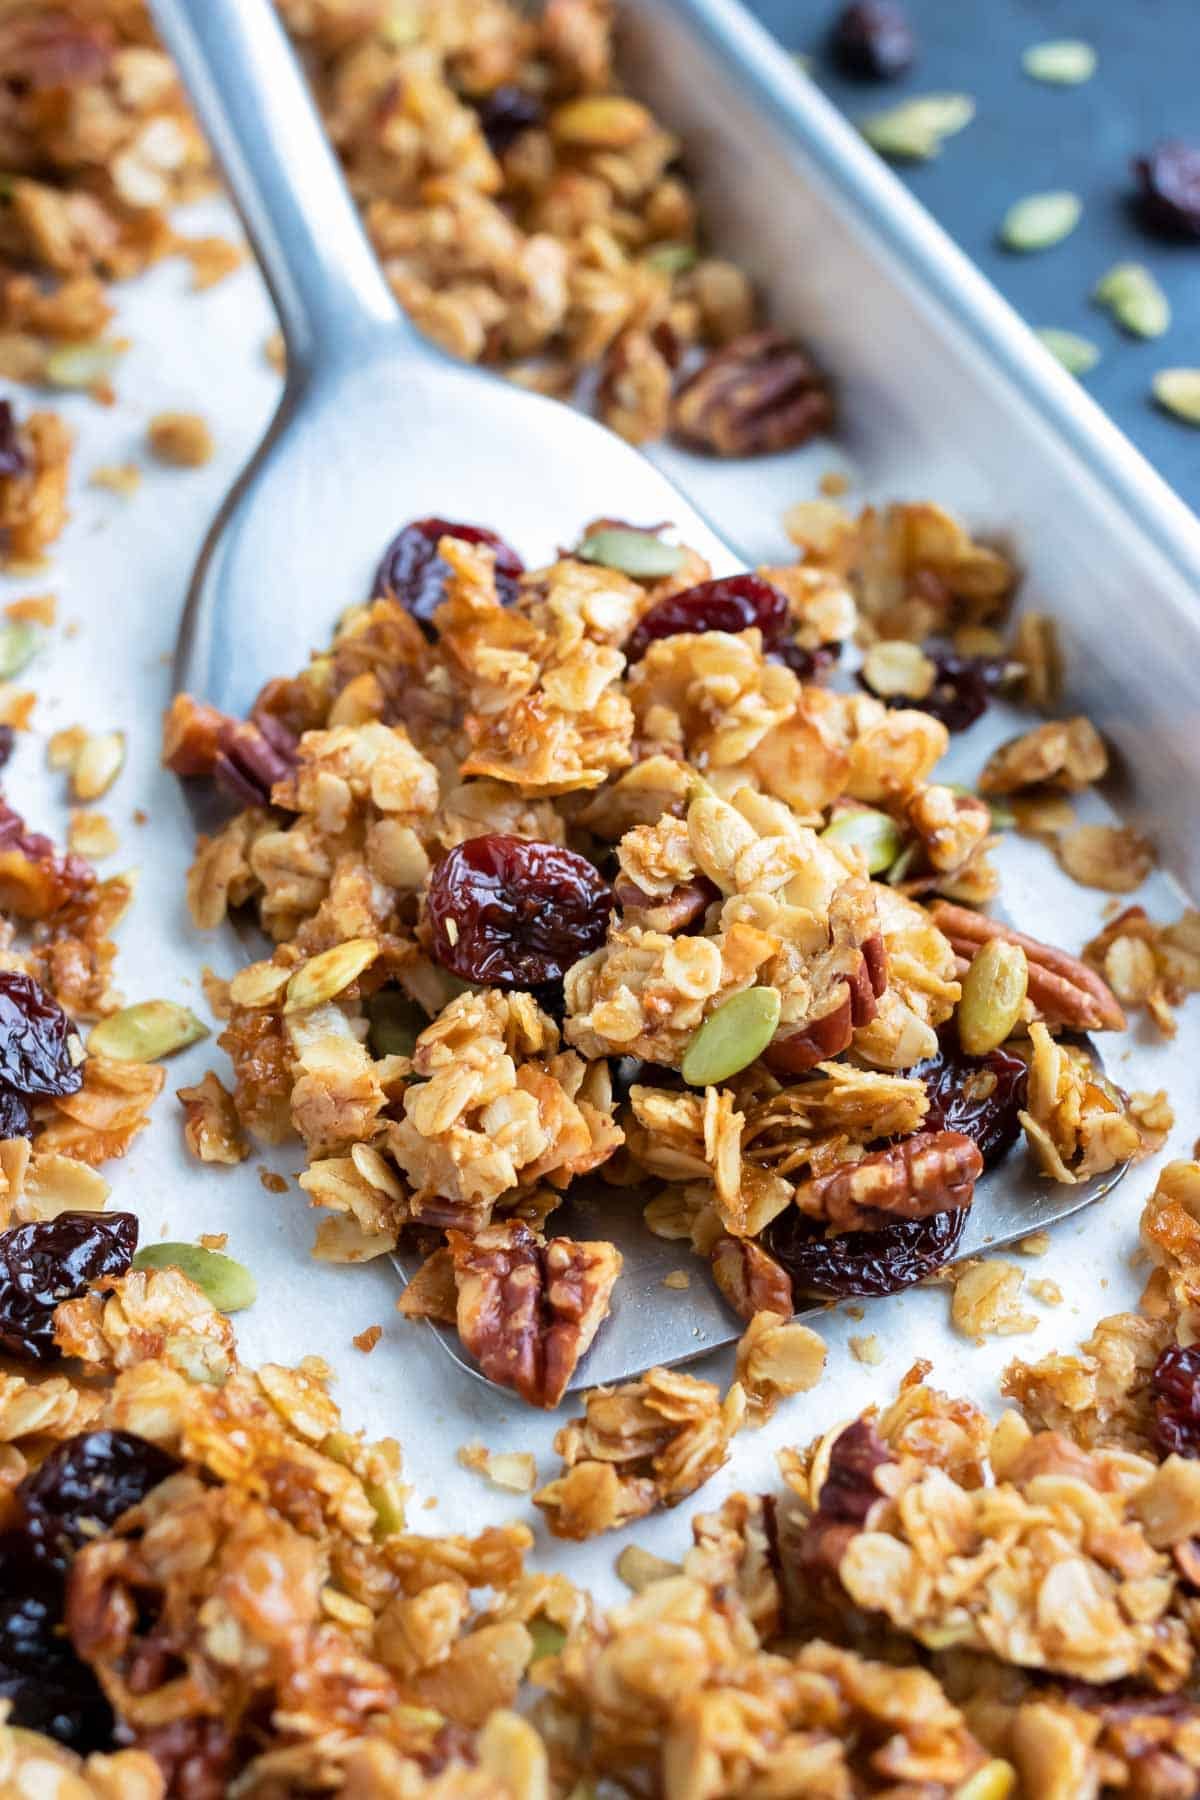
{"type": "Point", "coordinates": [120, 572]}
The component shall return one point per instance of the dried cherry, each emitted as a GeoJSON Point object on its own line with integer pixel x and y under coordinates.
{"type": "Point", "coordinates": [84, 1485]}
{"type": "Point", "coordinates": [1175, 1390]}
{"type": "Point", "coordinates": [48, 1688]}
{"type": "Point", "coordinates": [16, 1120]}
{"type": "Point", "coordinates": [962, 687]}
{"type": "Point", "coordinates": [412, 572]}
{"type": "Point", "coordinates": [873, 40]}
{"type": "Point", "coordinates": [978, 1095]}
{"type": "Point", "coordinates": [515, 913]}
{"type": "Point", "coordinates": [13, 460]}
{"type": "Point", "coordinates": [809, 665]}
{"type": "Point", "coordinates": [505, 113]}
{"type": "Point", "coordinates": [1169, 188]}
{"type": "Point", "coordinates": [862, 1264]}
{"type": "Point", "coordinates": [34, 1058]}
{"type": "Point", "coordinates": [52, 1260]}
{"type": "Point", "coordinates": [8, 736]}
{"type": "Point", "coordinates": [730, 603]}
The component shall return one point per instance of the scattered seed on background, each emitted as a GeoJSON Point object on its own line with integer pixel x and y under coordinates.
{"type": "Point", "coordinates": [1178, 392]}
{"type": "Point", "coordinates": [1040, 220]}
{"type": "Point", "coordinates": [1134, 299]}
{"type": "Point", "coordinates": [1062, 62]}
{"type": "Point", "coordinates": [914, 130]}
{"type": "Point", "coordinates": [1076, 354]}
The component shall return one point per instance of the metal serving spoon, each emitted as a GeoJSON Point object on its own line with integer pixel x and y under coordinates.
{"type": "Point", "coordinates": [377, 426]}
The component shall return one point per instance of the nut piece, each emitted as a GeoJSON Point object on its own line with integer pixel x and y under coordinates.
{"type": "Point", "coordinates": [993, 993]}
{"type": "Point", "coordinates": [1063, 989]}
{"type": "Point", "coordinates": [759, 394]}
{"type": "Point", "coordinates": [930, 1172]}
{"type": "Point", "coordinates": [1067, 753]}
{"type": "Point", "coordinates": [750, 1280]}
{"type": "Point", "coordinates": [527, 1310]}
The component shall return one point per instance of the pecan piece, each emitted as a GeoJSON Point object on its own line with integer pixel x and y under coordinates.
{"type": "Point", "coordinates": [750, 1280]}
{"type": "Point", "coordinates": [761, 393]}
{"type": "Point", "coordinates": [849, 977]}
{"type": "Point", "coordinates": [1064, 990]}
{"type": "Point", "coordinates": [796, 1052]}
{"type": "Point", "coordinates": [527, 1310]}
{"type": "Point", "coordinates": [848, 1493]}
{"type": "Point", "coordinates": [930, 1172]}
{"type": "Point", "coordinates": [672, 912]}
{"type": "Point", "coordinates": [246, 757]}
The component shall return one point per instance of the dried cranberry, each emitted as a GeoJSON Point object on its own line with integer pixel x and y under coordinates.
{"type": "Point", "coordinates": [1169, 188]}
{"type": "Point", "coordinates": [962, 687]}
{"type": "Point", "coordinates": [8, 737]}
{"type": "Point", "coordinates": [412, 572]}
{"type": "Point", "coordinates": [52, 1260]}
{"type": "Point", "coordinates": [514, 913]}
{"type": "Point", "coordinates": [873, 40]}
{"type": "Point", "coordinates": [13, 460]}
{"type": "Point", "coordinates": [16, 1119]}
{"type": "Point", "coordinates": [731, 603]}
{"type": "Point", "coordinates": [978, 1095]}
{"type": "Point", "coordinates": [34, 1058]}
{"type": "Point", "coordinates": [809, 665]}
{"type": "Point", "coordinates": [1175, 1390]}
{"type": "Point", "coordinates": [505, 113]}
{"type": "Point", "coordinates": [47, 1686]}
{"type": "Point", "coordinates": [862, 1264]}
{"type": "Point", "coordinates": [84, 1486]}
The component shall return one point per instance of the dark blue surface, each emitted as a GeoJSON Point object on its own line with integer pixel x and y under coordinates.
{"type": "Point", "coordinates": [1027, 137]}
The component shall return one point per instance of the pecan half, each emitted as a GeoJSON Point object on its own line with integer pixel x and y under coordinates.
{"type": "Point", "coordinates": [245, 757]}
{"type": "Point", "coordinates": [930, 1172]}
{"type": "Point", "coordinates": [1064, 990]}
{"type": "Point", "coordinates": [761, 393]}
{"type": "Point", "coordinates": [528, 1310]}
{"type": "Point", "coordinates": [750, 1280]}
{"type": "Point", "coordinates": [848, 1493]}
{"type": "Point", "coordinates": [672, 912]}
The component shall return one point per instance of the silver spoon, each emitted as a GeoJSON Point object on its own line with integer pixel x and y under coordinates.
{"type": "Point", "coordinates": [377, 426]}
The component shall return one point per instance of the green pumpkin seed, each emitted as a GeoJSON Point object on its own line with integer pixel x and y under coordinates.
{"type": "Point", "coordinates": [993, 993]}
{"type": "Point", "coordinates": [636, 553]}
{"type": "Point", "coordinates": [672, 259]}
{"type": "Point", "coordinates": [229, 1285]}
{"type": "Point", "coordinates": [387, 1497]}
{"type": "Point", "coordinates": [1178, 392]}
{"type": "Point", "coordinates": [19, 644]}
{"type": "Point", "coordinates": [1134, 299]}
{"type": "Point", "coordinates": [146, 1032]}
{"type": "Point", "coordinates": [1003, 817]}
{"type": "Point", "coordinates": [395, 1023]}
{"type": "Point", "coordinates": [731, 1037]}
{"type": "Point", "coordinates": [914, 130]}
{"type": "Point", "coordinates": [548, 1638]}
{"type": "Point", "coordinates": [1076, 354]}
{"type": "Point", "coordinates": [1040, 220]}
{"type": "Point", "coordinates": [878, 837]}
{"type": "Point", "coordinates": [82, 365]}
{"type": "Point", "coordinates": [1064, 62]}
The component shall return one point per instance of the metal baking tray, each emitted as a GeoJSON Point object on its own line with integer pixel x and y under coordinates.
{"type": "Point", "coordinates": [944, 394]}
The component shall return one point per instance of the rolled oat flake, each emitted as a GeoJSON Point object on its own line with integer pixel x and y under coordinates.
{"type": "Point", "coordinates": [731, 1037]}
{"type": "Point", "coordinates": [1040, 220]}
{"type": "Point", "coordinates": [1178, 392]}
{"type": "Point", "coordinates": [229, 1285]}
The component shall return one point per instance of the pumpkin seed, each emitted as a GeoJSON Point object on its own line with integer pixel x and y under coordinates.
{"type": "Point", "coordinates": [1076, 354]}
{"type": "Point", "coordinates": [1064, 62]}
{"type": "Point", "coordinates": [995, 1781]}
{"type": "Point", "coordinates": [387, 1498]}
{"type": "Point", "coordinates": [1178, 392]}
{"type": "Point", "coordinates": [259, 984]}
{"type": "Point", "coordinates": [328, 974]}
{"type": "Point", "coordinates": [877, 836]}
{"type": "Point", "coordinates": [672, 259]}
{"type": "Point", "coordinates": [731, 1037]}
{"type": "Point", "coordinates": [1134, 299]}
{"type": "Point", "coordinates": [601, 122]}
{"type": "Point", "coordinates": [914, 130]}
{"type": "Point", "coordinates": [395, 1021]}
{"type": "Point", "coordinates": [993, 993]}
{"type": "Point", "coordinates": [82, 365]}
{"type": "Point", "coordinates": [1040, 220]}
{"type": "Point", "coordinates": [19, 644]}
{"type": "Point", "coordinates": [229, 1285]}
{"type": "Point", "coordinates": [636, 553]}
{"type": "Point", "coordinates": [548, 1638]}
{"type": "Point", "coordinates": [146, 1032]}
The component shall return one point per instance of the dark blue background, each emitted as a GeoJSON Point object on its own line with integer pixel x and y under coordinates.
{"type": "Point", "coordinates": [1027, 137]}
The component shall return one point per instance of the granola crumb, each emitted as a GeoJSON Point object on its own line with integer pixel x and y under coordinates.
{"type": "Point", "coordinates": [985, 1301]}
{"type": "Point", "coordinates": [677, 1278]}
{"type": "Point", "coordinates": [275, 351]}
{"type": "Point", "coordinates": [1045, 1290]}
{"type": "Point", "coordinates": [515, 1471]}
{"type": "Point", "coordinates": [119, 478]}
{"type": "Point", "coordinates": [1036, 1244]}
{"type": "Point", "coordinates": [211, 259]}
{"type": "Point", "coordinates": [36, 609]}
{"type": "Point", "coordinates": [140, 816]}
{"type": "Point", "coordinates": [867, 1349]}
{"type": "Point", "coordinates": [833, 483]}
{"type": "Point", "coordinates": [182, 439]}
{"type": "Point", "coordinates": [856, 1312]}
{"type": "Point", "coordinates": [214, 1240]}
{"type": "Point", "coordinates": [367, 1340]}
{"type": "Point", "coordinates": [16, 707]}
{"type": "Point", "coordinates": [91, 834]}
{"type": "Point", "coordinates": [274, 1184]}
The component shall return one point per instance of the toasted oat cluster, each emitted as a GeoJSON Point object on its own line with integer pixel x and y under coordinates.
{"type": "Point", "coordinates": [585, 874]}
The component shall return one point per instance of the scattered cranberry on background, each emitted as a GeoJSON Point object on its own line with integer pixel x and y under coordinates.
{"type": "Point", "coordinates": [873, 41]}
{"type": "Point", "coordinates": [1169, 188]}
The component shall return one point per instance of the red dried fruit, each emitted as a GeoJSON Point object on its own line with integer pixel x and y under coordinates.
{"type": "Point", "coordinates": [980, 1096]}
{"type": "Point", "coordinates": [8, 737]}
{"type": "Point", "coordinates": [13, 460]}
{"type": "Point", "coordinates": [35, 881]}
{"type": "Point", "coordinates": [52, 1260]}
{"type": "Point", "coordinates": [961, 690]}
{"type": "Point", "coordinates": [809, 665]}
{"type": "Point", "coordinates": [862, 1264]}
{"type": "Point", "coordinates": [730, 603]}
{"type": "Point", "coordinates": [512, 912]}
{"type": "Point", "coordinates": [34, 1058]}
{"type": "Point", "coordinates": [873, 41]}
{"type": "Point", "coordinates": [82, 1487]}
{"type": "Point", "coordinates": [48, 1688]}
{"type": "Point", "coordinates": [505, 113]}
{"type": "Point", "coordinates": [42, 51]}
{"type": "Point", "coordinates": [1169, 188]}
{"type": "Point", "coordinates": [16, 1119]}
{"type": "Point", "coordinates": [412, 572]}
{"type": "Point", "coordinates": [1175, 1390]}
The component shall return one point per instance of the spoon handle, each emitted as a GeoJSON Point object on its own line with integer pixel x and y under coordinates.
{"type": "Point", "coordinates": [254, 104]}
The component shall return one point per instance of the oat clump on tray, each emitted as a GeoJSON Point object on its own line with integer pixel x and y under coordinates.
{"type": "Point", "coordinates": [584, 874]}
